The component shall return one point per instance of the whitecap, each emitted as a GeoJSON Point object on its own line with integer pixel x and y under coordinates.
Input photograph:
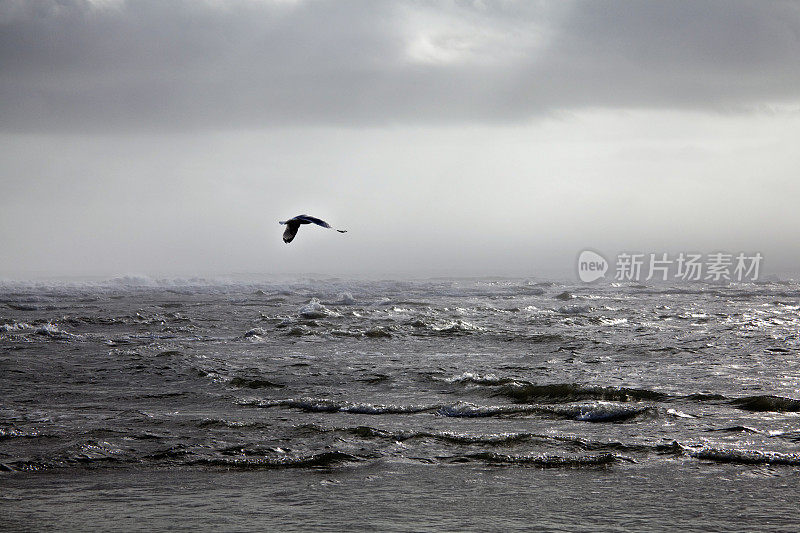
{"type": "Point", "coordinates": [606, 321]}
{"type": "Point", "coordinates": [479, 379]}
{"type": "Point", "coordinates": [15, 327]}
{"type": "Point", "coordinates": [49, 330]}
{"type": "Point", "coordinates": [255, 334]}
{"type": "Point", "coordinates": [456, 326]}
{"type": "Point", "coordinates": [345, 298]}
{"type": "Point", "coordinates": [314, 309]}
{"type": "Point", "coordinates": [679, 414]}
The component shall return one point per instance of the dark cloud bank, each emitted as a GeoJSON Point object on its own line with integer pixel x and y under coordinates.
{"type": "Point", "coordinates": [72, 65]}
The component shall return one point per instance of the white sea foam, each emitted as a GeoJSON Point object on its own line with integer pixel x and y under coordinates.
{"type": "Point", "coordinates": [679, 414]}
{"type": "Point", "coordinates": [15, 327]}
{"type": "Point", "coordinates": [256, 334]}
{"type": "Point", "coordinates": [314, 309]}
{"type": "Point", "coordinates": [345, 298]}
{"type": "Point", "coordinates": [49, 330]}
{"type": "Point", "coordinates": [473, 377]}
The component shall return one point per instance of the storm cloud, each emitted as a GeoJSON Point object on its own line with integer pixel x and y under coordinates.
{"type": "Point", "coordinates": [145, 65]}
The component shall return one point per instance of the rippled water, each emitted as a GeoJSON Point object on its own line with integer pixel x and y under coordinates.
{"type": "Point", "coordinates": [447, 379]}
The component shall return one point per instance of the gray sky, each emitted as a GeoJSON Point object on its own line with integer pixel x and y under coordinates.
{"type": "Point", "coordinates": [466, 138]}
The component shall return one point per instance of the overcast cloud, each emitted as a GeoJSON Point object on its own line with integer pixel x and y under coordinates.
{"type": "Point", "coordinates": [153, 64]}
{"type": "Point", "coordinates": [450, 138]}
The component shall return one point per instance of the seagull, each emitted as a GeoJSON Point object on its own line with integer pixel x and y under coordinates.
{"type": "Point", "coordinates": [293, 224]}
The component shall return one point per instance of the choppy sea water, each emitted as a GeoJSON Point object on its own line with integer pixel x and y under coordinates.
{"type": "Point", "coordinates": [399, 405]}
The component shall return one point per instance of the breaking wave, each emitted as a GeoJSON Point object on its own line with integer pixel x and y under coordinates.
{"type": "Point", "coordinates": [314, 309]}
{"type": "Point", "coordinates": [479, 379]}
{"type": "Point", "coordinates": [47, 330]}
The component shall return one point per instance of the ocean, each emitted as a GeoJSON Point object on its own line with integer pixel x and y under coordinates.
{"type": "Point", "coordinates": [439, 404]}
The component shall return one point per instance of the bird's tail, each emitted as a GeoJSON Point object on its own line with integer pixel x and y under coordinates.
{"type": "Point", "coordinates": [342, 230]}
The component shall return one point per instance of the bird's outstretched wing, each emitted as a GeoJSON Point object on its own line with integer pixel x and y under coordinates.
{"type": "Point", "coordinates": [291, 230]}
{"type": "Point", "coordinates": [306, 219]}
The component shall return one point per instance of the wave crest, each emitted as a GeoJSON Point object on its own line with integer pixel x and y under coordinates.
{"type": "Point", "coordinates": [767, 402]}
{"type": "Point", "coordinates": [570, 392]}
{"type": "Point", "coordinates": [546, 461]}
{"type": "Point", "coordinates": [317, 460]}
{"type": "Point", "coordinates": [748, 457]}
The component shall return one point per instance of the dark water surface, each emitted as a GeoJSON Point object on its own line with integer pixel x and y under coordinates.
{"type": "Point", "coordinates": [439, 404]}
{"type": "Point", "coordinates": [407, 497]}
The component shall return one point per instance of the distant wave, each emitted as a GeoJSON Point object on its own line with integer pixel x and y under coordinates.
{"type": "Point", "coordinates": [479, 379]}
{"type": "Point", "coordinates": [544, 460]}
{"type": "Point", "coordinates": [47, 330]}
{"type": "Point", "coordinates": [11, 432]}
{"type": "Point", "coordinates": [322, 405]}
{"type": "Point", "coordinates": [253, 383]}
{"type": "Point", "coordinates": [599, 411]}
{"type": "Point", "coordinates": [570, 392]}
{"type": "Point", "coordinates": [767, 402]}
{"type": "Point", "coordinates": [322, 459]}
{"type": "Point", "coordinates": [748, 457]}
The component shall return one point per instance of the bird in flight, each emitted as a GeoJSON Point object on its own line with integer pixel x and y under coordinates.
{"type": "Point", "coordinates": [293, 224]}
